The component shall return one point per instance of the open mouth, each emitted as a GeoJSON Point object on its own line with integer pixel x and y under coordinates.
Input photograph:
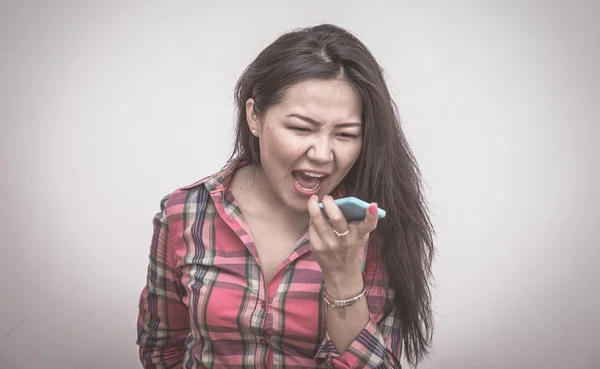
{"type": "Point", "coordinates": [308, 181]}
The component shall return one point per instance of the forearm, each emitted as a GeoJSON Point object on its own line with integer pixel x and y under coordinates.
{"type": "Point", "coordinates": [345, 324]}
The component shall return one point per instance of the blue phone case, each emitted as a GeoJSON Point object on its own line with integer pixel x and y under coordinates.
{"type": "Point", "coordinates": [354, 209]}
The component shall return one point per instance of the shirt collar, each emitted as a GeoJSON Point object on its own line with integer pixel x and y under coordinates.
{"type": "Point", "coordinates": [219, 181]}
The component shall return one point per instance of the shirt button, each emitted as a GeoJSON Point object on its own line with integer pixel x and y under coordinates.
{"type": "Point", "coordinates": [263, 304]}
{"type": "Point", "coordinates": [263, 342]}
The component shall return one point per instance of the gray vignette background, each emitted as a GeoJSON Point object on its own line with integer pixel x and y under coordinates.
{"type": "Point", "coordinates": [106, 106]}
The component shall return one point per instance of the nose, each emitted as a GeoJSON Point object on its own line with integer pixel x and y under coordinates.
{"type": "Point", "coordinates": [321, 151]}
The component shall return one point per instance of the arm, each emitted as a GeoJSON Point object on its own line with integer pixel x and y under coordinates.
{"type": "Point", "coordinates": [163, 323]}
{"type": "Point", "coordinates": [357, 338]}
{"type": "Point", "coordinates": [345, 324]}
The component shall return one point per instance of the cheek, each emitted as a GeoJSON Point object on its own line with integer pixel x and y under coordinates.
{"type": "Point", "coordinates": [286, 143]}
{"type": "Point", "coordinates": [348, 155]}
{"type": "Point", "coordinates": [281, 148]}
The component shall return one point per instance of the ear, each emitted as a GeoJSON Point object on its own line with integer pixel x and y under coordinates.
{"type": "Point", "coordinates": [252, 117]}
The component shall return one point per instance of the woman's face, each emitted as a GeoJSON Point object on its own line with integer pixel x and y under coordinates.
{"type": "Point", "coordinates": [309, 141]}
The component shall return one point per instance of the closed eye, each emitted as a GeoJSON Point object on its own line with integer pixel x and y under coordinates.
{"type": "Point", "coordinates": [347, 135]}
{"type": "Point", "coordinates": [300, 129]}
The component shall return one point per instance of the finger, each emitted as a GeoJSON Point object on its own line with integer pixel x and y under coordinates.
{"type": "Point", "coordinates": [315, 239]}
{"type": "Point", "coordinates": [335, 215]}
{"type": "Point", "coordinates": [317, 218]}
{"type": "Point", "coordinates": [369, 224]}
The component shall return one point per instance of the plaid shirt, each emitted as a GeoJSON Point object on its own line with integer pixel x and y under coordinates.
{"type": "Point", "coordinates": [206, 304]}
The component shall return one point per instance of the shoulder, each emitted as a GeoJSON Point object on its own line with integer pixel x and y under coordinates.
{"type": "Point", "coordinates": [193, 197]}
{"type": "Point", "coordinates": [176, 204]}
{"type": "Point", "coordinates": [182, 200]}
{"type": "Point", "coordinates": [188, 193]}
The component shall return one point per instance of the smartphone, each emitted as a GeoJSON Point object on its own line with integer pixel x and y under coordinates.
{"type": "Point", "coordinates": [354, 209]}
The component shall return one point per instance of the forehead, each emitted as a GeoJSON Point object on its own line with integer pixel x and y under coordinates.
{"type": "Point", "coordinates": [328, 101]}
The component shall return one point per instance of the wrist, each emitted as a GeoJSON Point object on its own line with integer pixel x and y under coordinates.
{"type": "Point", "coordinates": [344, 286]}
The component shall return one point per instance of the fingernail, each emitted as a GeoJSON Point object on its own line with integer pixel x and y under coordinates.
{"type": "Point", "coordinates": [373, 209]}
{"type": "Point", "coordinates": [313, 197]}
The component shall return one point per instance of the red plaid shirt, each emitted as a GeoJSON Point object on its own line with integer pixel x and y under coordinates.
{"type": "Point", "coordinates": [206, 305]}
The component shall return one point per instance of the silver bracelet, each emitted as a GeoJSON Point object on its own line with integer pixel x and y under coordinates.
{"type": "Point", "coordinates": [332, 303]}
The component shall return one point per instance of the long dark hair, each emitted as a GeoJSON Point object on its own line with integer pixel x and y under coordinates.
{"type": "Point", "coordinates": [386, 170]}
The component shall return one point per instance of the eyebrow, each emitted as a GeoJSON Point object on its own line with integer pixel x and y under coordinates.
{"type": "Point", "coordinates": [317, 123]}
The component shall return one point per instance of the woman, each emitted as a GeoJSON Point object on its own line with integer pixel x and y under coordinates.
{"type": "Point", "coordinates": [245, 269]}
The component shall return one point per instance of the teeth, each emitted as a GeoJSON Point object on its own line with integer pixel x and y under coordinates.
{"type": "Point", "coordinates": [314, 175]}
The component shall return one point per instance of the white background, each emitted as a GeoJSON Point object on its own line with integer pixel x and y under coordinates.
{"type": "Point", "coordinates": [107, 106]}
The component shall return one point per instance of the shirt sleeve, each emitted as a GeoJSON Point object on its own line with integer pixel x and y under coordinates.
{"type": "Point", "coordinates": [163, 323]}
{"type": "Point", "coordinates": [379, 344]}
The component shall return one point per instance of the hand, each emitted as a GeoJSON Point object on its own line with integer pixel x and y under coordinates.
{"type": "Point", "coordinates": [338, 257]}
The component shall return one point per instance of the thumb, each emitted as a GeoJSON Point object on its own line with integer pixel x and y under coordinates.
{"type": "Point", "coordinates": [370, 221]}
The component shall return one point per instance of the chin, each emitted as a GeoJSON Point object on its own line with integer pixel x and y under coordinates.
{"type": "Point", "coordinates": [298, 205]}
